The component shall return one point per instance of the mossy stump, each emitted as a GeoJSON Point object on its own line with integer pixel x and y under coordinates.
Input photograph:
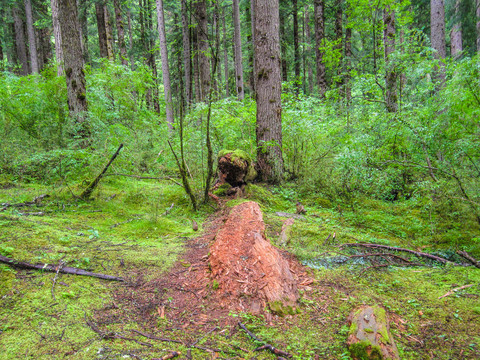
{"type": "Point", "coordinates": [369, 336]}
{"type": "Point", "coordinates": [235, 168]}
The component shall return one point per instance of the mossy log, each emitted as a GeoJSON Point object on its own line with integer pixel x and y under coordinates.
{"type": "Point", "coordinates": [235, 168]}
{"type": "Point", "coordinates": [369, 336]}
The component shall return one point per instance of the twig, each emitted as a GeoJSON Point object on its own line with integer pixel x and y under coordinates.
{"type": "Point", "coordinates": [60, 265]}
{"type": "Point", "coordinates": [36, 201]}
{"type": "Point", "coordinates": [265, 346]}
{"type": "Point", "coordinates": [53, 268]}
{"type": "Point", "coordinates": [455, 290]}
{"type": "Point", "coordinates": [204, 336]}
{"type": "Point", "coordinates": [326, 240]}
{"type": "Point", "coordinates": [469, 257]}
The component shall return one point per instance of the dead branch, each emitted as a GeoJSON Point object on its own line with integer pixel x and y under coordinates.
{"type": "Point", "coordinates": [53, 268]}
{"type": "Point", "coordinates": [455, 290]}
{"type": "Point", "coordinates": [393, 248]}
{"type": "Point", "coordinates": [265, 346]}
{"type": "Point", "coordinates": [60, 265]}
{"type": "Point", "coordinates": [36, 201]}
{"type": "Point", "coordinates": [470, 258]}
{"type": "Point", "coordinates": [88, 191]}
{"type": "Point", "coordinates": [112, 335]}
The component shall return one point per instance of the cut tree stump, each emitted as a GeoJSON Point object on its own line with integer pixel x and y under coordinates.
{"type": "Point", "coordinates": [247, 268]}
{"type": "Point", "coordinates": [369, 336]}
{"type": "Point", "coordinates": [235, 168]}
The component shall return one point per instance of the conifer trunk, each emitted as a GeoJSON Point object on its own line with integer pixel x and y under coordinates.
{"type": "Point", "coordinates": [57, 36]}
{"type": "Point", "coordinates": [308, 55]}
{"type": "Point", "coordinates": [120, 33]}
{"type": "Point", "coordinates": [186, 53]}
{"type": "Point", "coordinates": [32, 39]}
{"type": "Point", "coordinates": [268, 91]}
{"type": "Point", "coordinates": [437, 33]}
{"type": "Point", "coordinates": [296, 47]}
{"type": "Point", "coordinates": [456, 46]}
{"type": "Point", "coordinates": [102, 34]}
{"type": "Point", "coordinates": [238, 50]}
{"type": "Point", "coordinates": [319, 38]}
{"type": "Point", "coordinates": [203, 50]}
{"type": "Point", "coordinates": [109, 33]}
{"type": "Point", "coordinates": [225, 55]}
{"type": "Point", "coordinates": [21, 48]}
{"type": "Point", "coordinates": [390, 74]}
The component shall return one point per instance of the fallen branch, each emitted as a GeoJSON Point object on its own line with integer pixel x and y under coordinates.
{"type": "Point", "coordinates": [265, 346]}
{"type": "Point", "coordinates": [112, 335]}
{"type": "Point", "coordinates": [470, 258]}
{"type": "Point", "coordinates": [60, 265]}
{"type": "Point", "coordinates": [36, 201]}
{"type": "Point", "coordinates": [455, 290]}
{"type": "Point", "coordinates": [88, 191]}
{"type": "Point", "coordinates": [53, 268]}
{"type": "Point", "coordinates": [393, 248]}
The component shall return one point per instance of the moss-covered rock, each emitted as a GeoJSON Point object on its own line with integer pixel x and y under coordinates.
{"type": "Point", "coordinates": [369, 335]}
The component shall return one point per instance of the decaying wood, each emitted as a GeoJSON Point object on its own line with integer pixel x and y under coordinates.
{"type": "Point", "coordinates": [265, 346]}
{"type": "Point", "coordinates": [470, 258]}
{"type": "Point", "coordinates": [393, 248]}
{"type": "Point", "coordinates": [36, 201]}
{"type": "Point", "coordinates": [54, 268]}
{"type": "Point", "coordinates": [88, 191]}
{"type": "Point", "coordinates": [453, 291]}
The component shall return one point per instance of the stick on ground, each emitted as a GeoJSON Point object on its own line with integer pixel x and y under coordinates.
{"type": "Point", "coordinates": [455, 290]}
{"type": "Point", "coordinates": [265, 346]}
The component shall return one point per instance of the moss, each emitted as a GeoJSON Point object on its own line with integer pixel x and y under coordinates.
{"type": "Point", "coordinates": [381, 318]}
{"type": "Point", "coordinates": [281, 309]}
{"type": "Point", "coordinates": [235, 154]}
{"type": "Point", "coordinates": [364, 350]}
{"type": "Point", "coordinates": [222, 189]}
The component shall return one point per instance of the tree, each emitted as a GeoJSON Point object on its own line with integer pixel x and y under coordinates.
{"type": "Point", "coordinates": [20, 41]}
{"type": "Point", "coordinates": [58, 36]}
{"type": "Point", "coordinates": [186, 53]}
{"type": "Point", "coordinates": [165, 69]}
{"type": "Point", "coordinates": [296, 48]}
{"type": "Point", "coordinates": [120, 33]}
{"type": "Point", "coordinates": [456, 46]}
{"type": "Point", "coordinates": [390, 74]}
{"type": "Point", "coordinates": [268, 90]}
{"type": "Point", "coordinates": [74, 64]}
{"type": "Point", "coordinates": [32, 39]}
{"type": "Point", "coordinates": [477, 13]}
{"type": "Point", "coordinates": [437, 32]}
{"type": "Point", "coordinates": [203, 50]}
{"type": "Point", "coordinates": [238, 50]}
{"type": "Point", "coordinates": [319, 13]}
{"type": "Point", "coordinates": [102, 33]}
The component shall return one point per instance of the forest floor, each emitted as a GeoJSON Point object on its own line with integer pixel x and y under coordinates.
{"type": "Point", "coordinates": [168, 303]}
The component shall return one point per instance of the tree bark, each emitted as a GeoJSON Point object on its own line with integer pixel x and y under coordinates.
{"type": "Point", "coordinates": [348, 60]}
{"type": "Point", "coordinates": [437, 33]}
{"type": "Point", "coordinates": [296, 47]}
{"type": "Point", "coordinates": [477, 12]}
{"type": "Point", "coordinates": [238, 50]}
{"type": "Point", "coordinates": [20, 41]}
{"type": "Point", "coordinates": [102, 33]}
{"type": "Point", "coordinates": [339, 40]}
{"type": "Point", "coordinates": [283, 48]}
{"type": "Point", "coordinates": [165, 69]}
{"type": "Point", "coordinates": [225, 55]}
{"type": "Point", "coordinates": [203, 49]}
{"type": "Point", "coordinates": [252, 27]}
{"type": "Point", "coordinates": [308, 55]}
{"type": "Point", "coordinates": [390, 74]}
{"type": "Point", "coordinates": [456, 47]}
{"type": "Point", "coordinates": [187, 61]}
{"type": "Point", "coordinates": [120, 33]}
{"type": "Point", "coordinates": [32, 39]}
{"type": "Point", "coordinates": [319, 42]}
{"type": "Point", "coordinates": [84, 27]}
{"type": "Point", "coordinates": [74, 63]}
{"type": "Point", "coordinates": [268, 90]}
{"type": "Point", "coordinates": [57, 36]}
{"type": "Point", "coordinates": [109, 33]}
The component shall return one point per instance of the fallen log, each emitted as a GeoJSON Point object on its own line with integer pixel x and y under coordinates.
{"type": "Point", "coordinates": [36, 201]}
{"type": "Point", "coordinates": [54, 268]}
{"type": "Point", "coordinates": [88, 191]}
{"type": "Point", "coordinates": [393, 248]}
{"type": "Point", "coordinates": [470, 258]}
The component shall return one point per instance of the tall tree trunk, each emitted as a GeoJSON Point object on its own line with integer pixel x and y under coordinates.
{"type": "Point", "coordinates": [319, 43]}
{"type": "Point", "coordinates": [283, 47]}
{"type": "Point", "coordinates": [456, 46]}
{"type": "Point", "coordinates": [390, 73]}
{"type": "Point", "coordinates": [437, 35]}
{"type": "Point", "coordinates": [308, 55]}
{"type": "Point", "coordinates": [216, 19]}
{"type": "Point", "coordinates": [296, 47]}
{"type": "Point", "coordinates": [165, 69]}
{"type": "Point", "coordinates": [225, 54]}
{"type": "Point", "coordinates": [57, 36]}
{"type": "Point", "coordinates": [238, 50]}
{"type": "Point", "coordinates": [268, 91]}
{"type": "Point", "coordinates": [477, 12]}
{"type": "Point", "coordinates": [82, 6]}
{"type": "Point", "coordinates": [196, 71]}
{"type": "Point", "coordinates": [348, 60]}
{"type": "Point", "coordinates": [109, 33]}
{"type": "Point", "coordinates": [187, 60]}
{"type": "Point", "coordinates": [20, 41]}
{"type": "Point", "coordinates": [120, 33]}
{"type": "Point", "coordinates": [251, 40]}
{"type": "Point", "coordinates": [32, 39]}
{"type": "Point", "coordinates": [203, 49]}
{"type": "Point", "coordinates": [102, 33]}
{"type": "Point", "coordinates": [130, 37]}
{"type": "Point", "coordinates": [151, 54]}
{"type": "Point", "coordinates": [339, 37]}
{"type": "Point", "coordinates": [74, 64]}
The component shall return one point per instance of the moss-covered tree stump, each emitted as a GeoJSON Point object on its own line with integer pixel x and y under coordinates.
{"type": "Point", "coordinates": [369, 336]}
{"type": "Point", "coordinates": [235, 168]}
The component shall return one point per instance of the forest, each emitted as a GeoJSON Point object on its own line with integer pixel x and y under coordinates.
{"type": "Point", "coordinates": [240, 179]}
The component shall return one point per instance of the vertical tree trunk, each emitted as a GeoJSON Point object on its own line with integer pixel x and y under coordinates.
{"type": "Point", "coordinates": [102, 33]}
{"type": "Point", "coordinates": [120, 33]}
{"type": "Point", "coordinates": [238, 50]}
{"type": "Point", "coordinates": [477, 12]}
{"type": "Point", "coordinates": [74, 63]}
{"type": "Point", "coordinates": [151, 54]}
{"type": "Point", "coordinates": [217, 44]}
{"type": "Point", "coordinates": [187, 61]}
{"type": "Point", "coordinates": [225, 55]}
{"type": "Point", "coordinates": [57, 36]}
{"type": "Point", "coordinates": [390, 74]}
{"type": "Point", "coordinates": [109, 33]}
{"type": "Point", "coordinates": [203, 49]}
{"type": "Point", "coordinates": [456, 33]}
{"type": "Point", "coordinates": [283, 47]}
{"type": "Point", "coordinates": [339, 38]}
{"type": "Point", "coordinates": [196, 71]}
{"type": "Point", "coordinates": [308, 55]}
{"type": "Point", "coordinates": [165, 69]}
{"type": "Point", "coordinates": [32, 39]}
{"type": "Point", "coordinates": [130, 36]}
{"type": "Point", "coordinates": [20, 41]}
{"type": "Point", "coordinates": [348, 59]}
{"type": "Point", "coordinates": [268, 91]}
{"type": "Point", "coordinates": [251, 40]}
{"type": "Point", "coordinates": [319, 43]}
{"type": "Point", "coordinates": [296, 47]}
{"type": "Point", "coordinates": [82, 6]}
{"type": "Point", "coordinates": [437, 33]}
